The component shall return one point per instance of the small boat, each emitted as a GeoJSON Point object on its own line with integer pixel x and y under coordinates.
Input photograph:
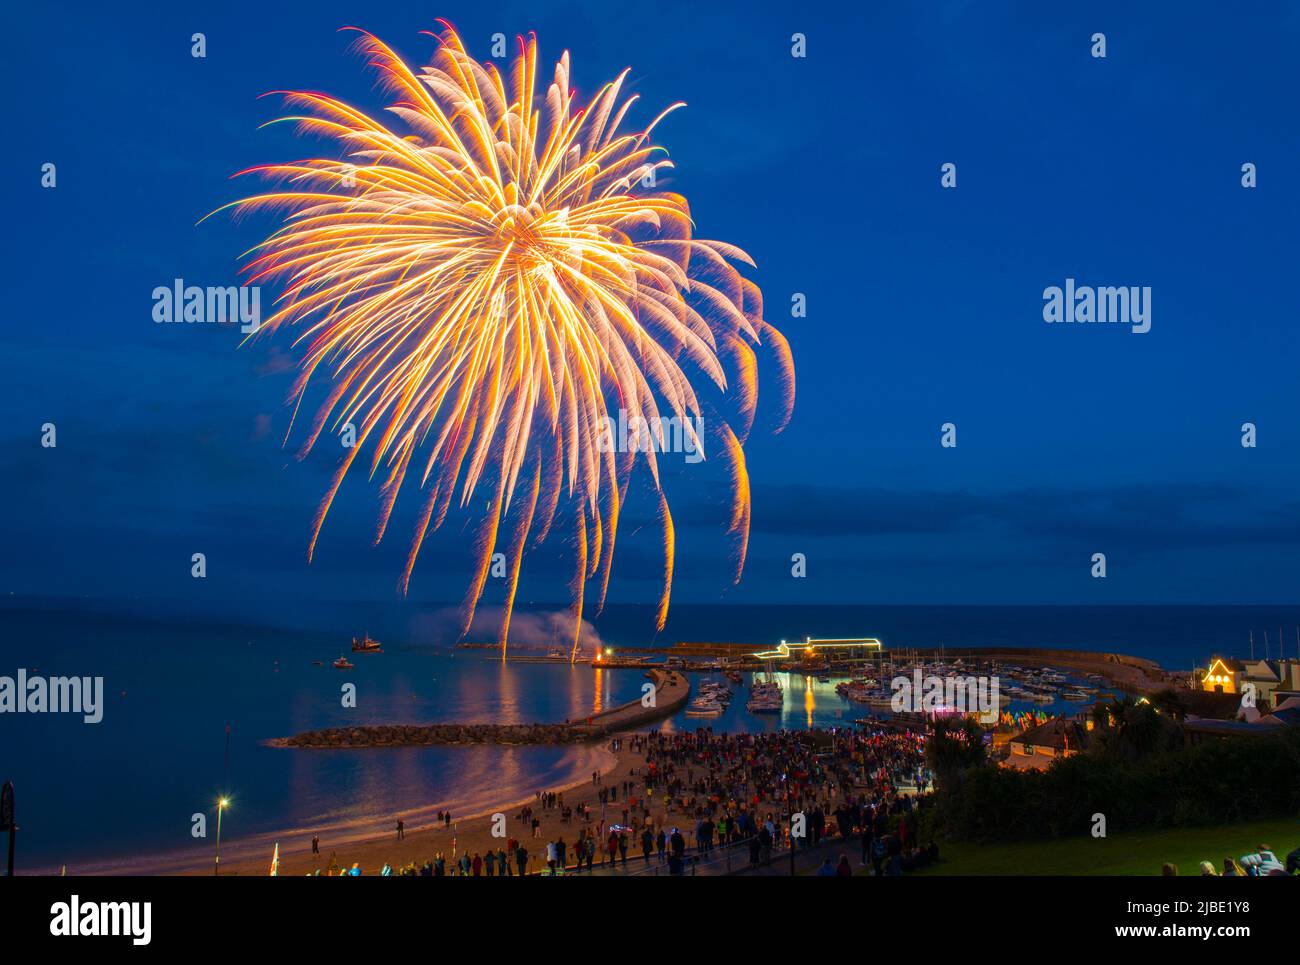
{"type": "Point", "coordinates": [343, 663]}
{"type": "Point", "coordinates": [366, 645]}
{"type": "Point", "coordinates": [318, 663]}
{"type": "Point", "coordinates": [703, 707]}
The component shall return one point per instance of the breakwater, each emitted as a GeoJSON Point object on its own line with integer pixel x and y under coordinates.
{"type": "Point", "coordinates": [671, 691]}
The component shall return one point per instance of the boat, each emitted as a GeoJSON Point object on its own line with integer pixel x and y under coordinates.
{"type": "Point", "coordinates": [764, 705]}
{"type": "Point", "coordinates": [343, 663]}
{"type": "Point", "coordinates": [318, 663]}
{"type": "Point", "coordinates": [553, 655]}
{"type": "Point", "coordinates": [364, 644]}
{"type": "Point", "coordinates": [703, 707]}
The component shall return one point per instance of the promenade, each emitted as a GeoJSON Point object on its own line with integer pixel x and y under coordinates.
{"type": "Point", "coordinates": [724, 860]}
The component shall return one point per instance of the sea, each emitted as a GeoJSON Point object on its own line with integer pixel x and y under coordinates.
{"type": "Point", "coordinates": [190, 701]}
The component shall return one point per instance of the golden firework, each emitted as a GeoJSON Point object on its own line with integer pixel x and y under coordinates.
{"type": "Point", "coordinates": [481, 290]}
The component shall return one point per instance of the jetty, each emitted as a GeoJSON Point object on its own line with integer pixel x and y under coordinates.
{"type": "Point", "coordinates": [671, 691]}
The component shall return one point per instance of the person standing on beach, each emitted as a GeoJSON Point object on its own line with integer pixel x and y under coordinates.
{"type": "Point", "coordinates": [401, 829]}
{"type": "Point", "coordinates": [315, 843]}
{"type": "Point", "coordinates": [489, 862]}
{"type": "Point", "coordinates": [502, 863]}
{"type": "Point", "coordinates": [647, 843]}
{"type": "Point", "coordinates": [521, 860]}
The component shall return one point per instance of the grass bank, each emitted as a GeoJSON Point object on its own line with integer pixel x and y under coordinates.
{"type": "Point", "coordinates": [1138, 853]}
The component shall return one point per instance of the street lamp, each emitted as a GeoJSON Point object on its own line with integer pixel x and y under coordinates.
{"type": "Point", "coordinates": [222, 804]}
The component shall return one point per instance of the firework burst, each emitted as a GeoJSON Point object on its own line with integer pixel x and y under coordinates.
{"type": "Point", "coordinates": [479, 290]}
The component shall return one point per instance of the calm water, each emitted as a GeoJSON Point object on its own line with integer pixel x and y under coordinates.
{"type": "Point", "coordinates": [129, 785]}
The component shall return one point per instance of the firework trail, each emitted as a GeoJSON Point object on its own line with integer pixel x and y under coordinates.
{"type": "Point", "coordinates": [480, 288]}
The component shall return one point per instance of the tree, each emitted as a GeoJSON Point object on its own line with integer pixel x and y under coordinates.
{"type": "Point", "coordinates": [1171, 702]}
{"type": "Point", "coordinates": [952, 748]}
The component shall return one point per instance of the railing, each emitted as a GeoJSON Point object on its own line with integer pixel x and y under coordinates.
{"type": "Point", "coordinates": [728, 858]}
{"type": "Point", "coordinates": [722, 859]}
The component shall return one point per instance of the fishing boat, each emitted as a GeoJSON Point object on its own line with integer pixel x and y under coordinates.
{"type": "Point", "coordinates": [365, 644]}
{"type": "Point", "coordinates": [343, 663]}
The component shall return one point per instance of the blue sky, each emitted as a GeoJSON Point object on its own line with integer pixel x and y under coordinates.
{"type": "Point", "coordinates": [924, 304]}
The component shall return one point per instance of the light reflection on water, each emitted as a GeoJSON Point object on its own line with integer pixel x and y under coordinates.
{"type": "Point", "coordinates": [159, 755]}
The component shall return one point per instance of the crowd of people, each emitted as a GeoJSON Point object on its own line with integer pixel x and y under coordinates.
{"type": "Point", "coordinates": [691, 793]}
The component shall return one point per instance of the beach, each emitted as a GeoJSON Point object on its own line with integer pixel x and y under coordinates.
{"type": "Point", "coordinates": [472, 833]}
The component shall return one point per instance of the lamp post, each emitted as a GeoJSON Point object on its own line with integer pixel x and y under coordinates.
{"type": "Point", "coordinates": [222, 804]}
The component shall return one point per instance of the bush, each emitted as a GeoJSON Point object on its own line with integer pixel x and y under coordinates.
{"type": "Point", "coordinates": [1219, 781]}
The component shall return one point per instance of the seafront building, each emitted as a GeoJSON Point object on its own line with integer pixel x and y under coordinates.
{"type": "Point", "coordinates": [1269, 678]}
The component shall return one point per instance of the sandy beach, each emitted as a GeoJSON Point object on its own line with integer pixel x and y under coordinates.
{"type": "Point", "coordinates": [471, 833]}
{"type": "Point", "coordinates": [423, 837]}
